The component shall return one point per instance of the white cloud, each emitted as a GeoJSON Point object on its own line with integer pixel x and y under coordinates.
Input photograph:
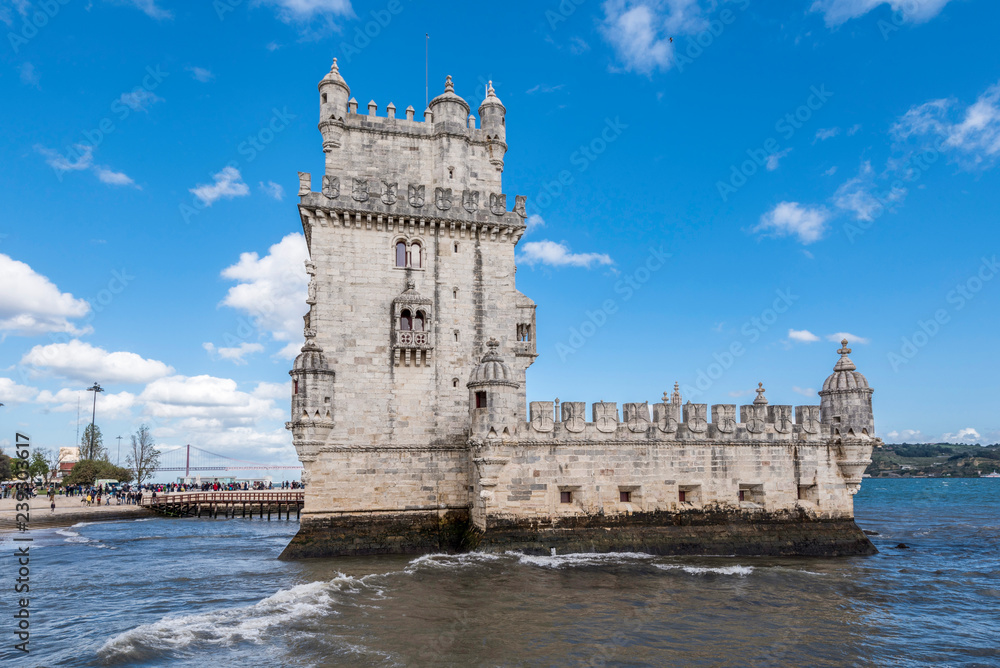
{"type": "Point", "coordinates": [113, 178]}
{"type": "Point", "coordinates": [558, 255]}
{"type": "Point", "coordinates": [967, 435]}
{"type": "Point", "coordinates": [109, 405]}
{"type": "Point", "coordinates": [149, 8]}
{"type": "Point", "coordinates": [858, 195]}
{"type": "Point", "coordinates": [577, 46]}
{"type": "Point", "coordinates": [228, 184]}
{"type": "Point", "coordinates": [272, 290]}
{"type": "Point", "coordinates": [831, 171]}
{"type": "Point", "coordinates": [12, 393]}
{"type": "Point", "coordinates": [854, 129]}
{"type": "Point", "coordinates": [273, 189]}
{"type": "Point", "coordinates": [851, 338]}
{"type": "Point", "coordinates": [736, 394]}
{"type": "Point", "coordinates": [906, 435]}
{"type": "Point", "coordinates": [305, 10]}
{"type": "Point", "coordinates": [827, 133]}
{"type": "Point", "coordinates": [234, 354]}
{"type": "Point", "coordinates": [793, 219]}
{"type": "Point", "coordinates": [209, 398]}
{"type": "Point", "coordinates": [200, 74]}
{"type": "Point", "coordinates": [533, 223]}
{"type": "Point", "coordinates": [140, 99]}
{"type": "Point", "coordinates": [87, 363]}
{"type": "Point", "coordinates": [804, 391]}
{"type": "Point", "coordinates": [31, 304]}
{"type": "Point", "coordinates": [837, 12]}
{"type": "Point", "coordinates": [640, 31]}
{"type": "Point", "coordinates": [973, 134]}
{"type": "Point", "coordinates": [802, 336]}
{"type": "Point", "coordinates": [29, 77]}
{"type": "Point", "coordinates": [774, 158]}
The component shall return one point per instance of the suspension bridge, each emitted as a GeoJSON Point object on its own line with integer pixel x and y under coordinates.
{"type": "Point", "coordinates": [190, 458]}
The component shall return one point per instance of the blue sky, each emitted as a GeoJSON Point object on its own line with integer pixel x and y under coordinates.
{"type": "Point", "coordinates": [716, 210]}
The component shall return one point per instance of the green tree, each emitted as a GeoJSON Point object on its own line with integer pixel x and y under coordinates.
{"type": "Point", "coordinates": [85, 472]}
{"type": "Point", "coordinates": [41, 465]}
{"type": "Point", "coordinates": [144, 458]}
{"type": "Point", "coordinates": [93, 450]}
{"type": "Point", "coordinates": [6, 472]}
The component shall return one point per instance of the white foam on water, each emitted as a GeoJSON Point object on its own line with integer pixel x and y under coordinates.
{"type": "Point", "coordinates": [451, 560]}
{"type": "Point", "coordinates": [741, 571]}
{"type": "Point", "coordinates": [228, 626]}
{"type": "Point", "coordinates": [75, 537]}
{"type": "Point", "coordinates": [581, 559]}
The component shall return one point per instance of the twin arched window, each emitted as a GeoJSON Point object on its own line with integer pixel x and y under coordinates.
{"type": "Point", "coordinates": [409, 322]}
{"type": "Point", "coordinates": [411, 257]}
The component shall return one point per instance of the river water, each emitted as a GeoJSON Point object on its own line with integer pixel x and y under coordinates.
{"type": "Point", "coordinates": [190, 592]}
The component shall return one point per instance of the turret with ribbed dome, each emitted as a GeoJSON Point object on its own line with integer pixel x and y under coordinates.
{"type": "Point", "coordinates": [492, 115]}
{"type": "Point", "coordinates": [312, 395]}
{"type": "Point", "coordinates": [493, 395]}
{"type": "Point", "coordinates": [333, 96]}
{"type": "Point", "coordinates": [450, 111]}
{"type": "Point", "coordinates": [846, 398]}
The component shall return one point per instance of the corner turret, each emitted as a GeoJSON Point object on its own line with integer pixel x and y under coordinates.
{"type": "Point", "coordinates": [493, 121]}
{"type": "Point", "coordinates": [449, 110]}
{"type": "Point", "coordinates": [846, 399]}
{"type": "Point", "coordinates": [493, 396]}
{"type": "Point", "coordinates": [333, 95]}
{"type": "Point", "coordinates": [312, 395]}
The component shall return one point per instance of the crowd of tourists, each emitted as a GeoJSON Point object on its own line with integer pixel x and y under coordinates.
{"type": "Point", "coordinates": [216, 486]}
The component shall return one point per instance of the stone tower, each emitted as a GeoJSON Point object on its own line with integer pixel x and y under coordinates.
{"type": "Point", "coordinates": [411, 245]}
{"type": "Point", "coordinates": [846, 399]}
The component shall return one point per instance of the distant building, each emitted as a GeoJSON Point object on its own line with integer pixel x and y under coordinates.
{"type": "Point", "coordinates": [68, 458]}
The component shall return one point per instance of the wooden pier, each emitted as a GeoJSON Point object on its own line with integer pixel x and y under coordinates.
{"type": "Point", "coordinates": [229, 504]}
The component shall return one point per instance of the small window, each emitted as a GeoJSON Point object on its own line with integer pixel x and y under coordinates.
{"type": "Point", "coordinates": [418, 322]}
{"type": "Point", "coordinates": [454, 382]}
{"type": "Point", "coordinates": [565, 497]}
{"type": "Point", "coordinates": [456, 246]}
{"type": "Point", "coordinates": [480, 399]}
{"type": "Point", "coordinates": [405, 321]}
{"type": "Point", "coordinates": [743, 495]}
{"type": "Point", "coordinates": [682, 496]}
{"type": "Point", "coordinates": [415, 256]}
{"type": "Point", "coordinates": [324, 98]}
{"type": "Point", "coordinates": [456, 335]}
{"type": "Point", "coordinates": [451, 172]}
{"type": "Point", "coordinates": [625, 497]}
{"type": "Point", "coordinates": [400, 254]}
{"type": "Point", "coordinates": [295, 387]}
{"type": "Point", "coordinates": [454, 293]}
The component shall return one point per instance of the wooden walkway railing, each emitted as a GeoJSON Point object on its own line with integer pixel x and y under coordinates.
{"type": "Point", "coordinates": [194, 503]}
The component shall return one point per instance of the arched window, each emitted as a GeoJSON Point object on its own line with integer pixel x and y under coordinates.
{"type": "Point", "coordinates": [400, 254]}
{"type": "Point", "coordinates": [405, 322]}
{"type": "Point", "coordinates": [415, 256]}
{"type": "Point", "coordinates": [418, 322]}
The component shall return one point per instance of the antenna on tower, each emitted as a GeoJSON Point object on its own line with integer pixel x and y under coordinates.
{"type": "Point", "coordinates": [427, 58]}
{"type": "Point", "coordinates": [77, 419]}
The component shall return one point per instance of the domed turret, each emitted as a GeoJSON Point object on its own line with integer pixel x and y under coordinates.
{"type": "Point", "coordinates": [492, 119]}
{"type": "Point", "coordinates": [493, 395]}
{"type": "Point", "coordinates": [312, 393]}
{"type": "Point", "coordinates": [450, 108]}
{"type": "Point", "coordinates": [333, 95]}
{"type": "Point", "coordinates": [846, 399]}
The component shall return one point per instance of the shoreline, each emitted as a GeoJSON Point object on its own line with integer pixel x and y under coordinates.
{"type": "Point", "coordinates": [42, 517]}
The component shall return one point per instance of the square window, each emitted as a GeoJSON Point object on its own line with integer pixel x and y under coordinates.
{"type": "Point", "coordinates": [566, 497]}
{"type": "Point", "coordinates": [682, 496]}
{"type": "Point", "coordinates": [480, 399]}
{"type": "Point", "coordinates": [743, 495]}
{"type": "Point", "coordinates": [625, 497]}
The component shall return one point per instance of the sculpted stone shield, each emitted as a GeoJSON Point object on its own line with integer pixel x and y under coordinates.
{"type": "Point", "coordinates": [442, 198]}
{"type": "Point", "coordinates": [360, 192]}
{"type": "Point", "coordinates": [808, 417]}
{"type": "Point", "coordinates": [331, 186]}
{"type": "Point", "coordinates": [470, 200]}
{"type": "Point", "coordinates": [388, 192]}
{"type": "Point", "coordinates": [753, 416]}
{"type": "Point", "coordinates": [415, 195]}
{"type": "Point", "coordinates": [519, 201]}
{"type": "Point", "coordinates": [637, 417]}
{"type": "Point", "coordinates": [666, 418]}
{"type": "Point", "coordinates": [498, 204]}
{"type": "Point", "coordinates": [573, 416]}
{"type": "Point", "coordinates": [606, 416]}
{"type": "Point", "coordinates": [541, 416]}
{"type": "Point", "coordinates": [696, 417]}
{"type": "Point", "coordinates": [724, 417]}
{"type": "Point", "coordinates": [782, 418]}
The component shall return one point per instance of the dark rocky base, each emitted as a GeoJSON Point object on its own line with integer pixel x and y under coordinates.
{"type": "Point", "coordinates": [382, 533]}
{"type": "Point", "coordinates": [785, 534]}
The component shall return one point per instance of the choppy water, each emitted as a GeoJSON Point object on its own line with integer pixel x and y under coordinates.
{"type": "Point", "coordinates": [191, 592]}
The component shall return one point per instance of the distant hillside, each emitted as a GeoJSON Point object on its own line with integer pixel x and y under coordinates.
{"type": "Point", "coordinates": [933, 460]}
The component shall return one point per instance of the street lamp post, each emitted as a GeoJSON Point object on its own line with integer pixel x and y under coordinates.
{"type": "Point", "coordinates": [118, 457]}
{"type": "Point", "coordinates": [95, 389]}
